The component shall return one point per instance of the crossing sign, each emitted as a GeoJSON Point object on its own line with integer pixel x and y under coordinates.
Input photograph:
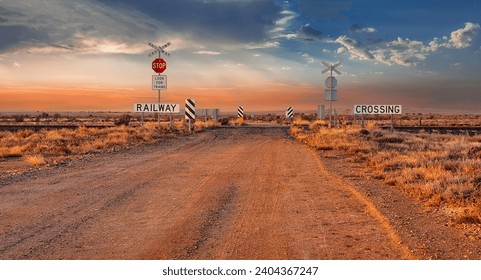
{"type": "Point", "coordinates": [331, 68]}
{"type": "Point", "coordinates": [159, 49]}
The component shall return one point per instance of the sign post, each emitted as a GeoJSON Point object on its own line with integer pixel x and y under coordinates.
{"type": "Point", "coordinates": [159, 66]}
{"type": "Point", "coordinates": [331, 83]}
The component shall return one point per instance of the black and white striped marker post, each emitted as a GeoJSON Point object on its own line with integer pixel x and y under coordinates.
{"type": "Point", "coordinates": [190, 111]}
{"type": "Point", "coordinates": [290, 113]}
{"type": "Point", "coordinates": [240, 112]}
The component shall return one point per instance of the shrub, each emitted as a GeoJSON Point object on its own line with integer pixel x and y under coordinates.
{"type": "Point", "coordinates": [19, 118]}
{"type": "Point", "coordinates": [364, 132]}
{"type": "Point", "coordinates": [123, 120]}
{"type": "Point", "coordinates": [224, 121]}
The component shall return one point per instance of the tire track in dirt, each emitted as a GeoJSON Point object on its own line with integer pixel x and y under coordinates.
{"type": "Point", "coordinates": [190, 234]}
{"type": "Point", "coordinates": [282, 211]}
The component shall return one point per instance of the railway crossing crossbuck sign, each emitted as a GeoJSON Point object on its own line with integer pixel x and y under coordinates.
{"type": "Point", "coordinates": [159, 49]}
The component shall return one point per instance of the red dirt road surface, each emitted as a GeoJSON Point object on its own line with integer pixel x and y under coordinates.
{"type": "Point", "coordinates": [243, 193]}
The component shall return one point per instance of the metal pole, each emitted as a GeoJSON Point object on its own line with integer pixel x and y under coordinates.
{"type": "Point", "coordinates": [330, 103]}
{"type": "Point", "coordinates": [335, 118]}
{"type": "Point", "coordinates": [362, 120]}
{"type": "Point", "coordinates": [158, 101]}
{"type": "Point", "coordinates": [392, 123]}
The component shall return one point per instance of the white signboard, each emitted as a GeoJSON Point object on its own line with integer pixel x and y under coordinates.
{"type": "Point", "coordinates": [328, 96]}
{"type": "Point", "coordinates": [156, 108]}
{"type": "Point", "coordinates": [159, 82]}
{"type": "Point", "coordinates": [377, 109]}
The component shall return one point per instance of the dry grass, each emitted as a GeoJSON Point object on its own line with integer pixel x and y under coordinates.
{"type": "Point", "coordinates": [300, 122]}
{"type": "Point", "coordinates": [237, 122]}
{"type": "Point", "coordinates": [54, 146]}
{"type": "Point", "coordinates": [439, 170]}
{"type": "Point", "coordinates": [35, 160]}
{"type": "Point", "coordinates": [200, 125]}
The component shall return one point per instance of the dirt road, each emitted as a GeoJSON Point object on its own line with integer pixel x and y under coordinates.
{"type": "Point", "coordinates": [243, 193]}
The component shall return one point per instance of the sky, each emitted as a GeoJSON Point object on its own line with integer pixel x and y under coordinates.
{"type": "Point", "coordinates": [92, 55]}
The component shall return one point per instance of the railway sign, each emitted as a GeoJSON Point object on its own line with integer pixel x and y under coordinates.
{"type": "Point", "coordinates": [240, 112]}
{"type": "Point", "coordinates": [377, 109]}
{"type": "Point", "coordinates": [159, 65]}
{"type": "Point", "coordinates": [156, 108]}
{"type": "Point", "coordinates": [159, 82]}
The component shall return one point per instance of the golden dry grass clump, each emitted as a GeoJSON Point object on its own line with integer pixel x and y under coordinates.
{"type": "Point", "coordinates": [200, 125]}
{"type": "Point", "coordinates": [439, 170]}
{"type": "Point", "coordinates": [35, 160]}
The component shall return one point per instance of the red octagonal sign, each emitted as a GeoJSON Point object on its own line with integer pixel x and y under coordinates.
{"type": "Point", "coordinates": [159, 65]}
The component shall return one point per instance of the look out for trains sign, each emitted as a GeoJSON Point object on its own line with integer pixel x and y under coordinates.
{"type": "Point", "coordinates": [377, 109]}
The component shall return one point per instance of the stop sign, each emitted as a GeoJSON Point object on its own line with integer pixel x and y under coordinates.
{"type": "Point", "coordinates": [159, 65]}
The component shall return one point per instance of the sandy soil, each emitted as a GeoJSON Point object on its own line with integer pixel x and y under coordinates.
{"type": "Point", "coordinates": [242, 193]}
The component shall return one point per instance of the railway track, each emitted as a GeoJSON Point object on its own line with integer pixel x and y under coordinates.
{"type": "Point", "coordinates": [38, 127]}
{"type": "Point", "coordinates": [458, 130]}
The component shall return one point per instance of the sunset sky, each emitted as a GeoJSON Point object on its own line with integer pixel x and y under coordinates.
{"type": "Point", "coordinates": [58, 55]}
